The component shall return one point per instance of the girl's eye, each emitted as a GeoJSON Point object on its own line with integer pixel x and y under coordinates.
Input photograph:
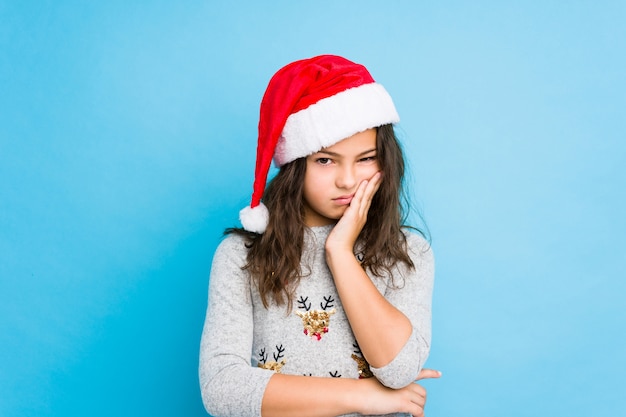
{"type": "Point", "coordinates": [368, 158]}
{"type": "Point", "coordinates": [323, 161]}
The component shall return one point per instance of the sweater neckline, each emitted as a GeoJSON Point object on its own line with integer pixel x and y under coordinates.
{"type": "Point", "coordinates": [317, 234]}
{"type": "Point", "coordinates": [321, 230]}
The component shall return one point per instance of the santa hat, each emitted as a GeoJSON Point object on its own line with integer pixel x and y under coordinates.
{"type": "Point", "coordinates": [309, 105]}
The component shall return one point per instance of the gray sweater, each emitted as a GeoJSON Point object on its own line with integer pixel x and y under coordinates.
{"type": "Point", "coordinates": [244, 343]}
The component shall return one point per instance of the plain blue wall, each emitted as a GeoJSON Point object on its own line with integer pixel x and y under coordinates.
{"type": "Point", "coordinates": [127, 135]}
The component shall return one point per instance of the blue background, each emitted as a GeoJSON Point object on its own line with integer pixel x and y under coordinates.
{"type": "Point", "coordinates": [127, 136]}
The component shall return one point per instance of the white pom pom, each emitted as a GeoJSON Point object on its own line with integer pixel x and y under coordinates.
{"type": "Point", "coordinates": [254, 219]}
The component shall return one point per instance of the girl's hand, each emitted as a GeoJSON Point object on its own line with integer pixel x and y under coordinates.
{"type": "Point", "coordinates": [347, 229]}
{"type": "Point", "coordinates": [411, 399]}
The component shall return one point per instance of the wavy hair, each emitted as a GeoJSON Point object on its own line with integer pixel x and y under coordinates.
{"type": "Point", "coordinates": [274, 257]}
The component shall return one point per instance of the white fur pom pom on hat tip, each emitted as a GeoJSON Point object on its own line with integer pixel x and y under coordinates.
{"type": "Point", "coordinates": [254, 219]}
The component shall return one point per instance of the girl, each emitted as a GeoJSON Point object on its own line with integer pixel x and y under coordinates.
{"type": "Point", "coordinates": [320, 304]}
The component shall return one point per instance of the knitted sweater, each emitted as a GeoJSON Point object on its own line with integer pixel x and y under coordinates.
{"type": "Point", "coordinates": [244, 343]}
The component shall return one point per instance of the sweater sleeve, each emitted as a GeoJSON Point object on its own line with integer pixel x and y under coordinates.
{"type": "Point", "coordinates": [230, 386]}
{"type": "Point", "coordinates": [411, 293]}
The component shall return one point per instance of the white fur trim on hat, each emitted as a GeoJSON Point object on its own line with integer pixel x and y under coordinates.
{"type": "Point", "coordinates": [254, 219]}
{"type": "Point", "coordinates": [333, 119]}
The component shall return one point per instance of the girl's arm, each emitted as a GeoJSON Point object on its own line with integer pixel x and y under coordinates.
{"type": "Point", "coordinates": [379, 327]}
{"type": "Point", "coordinates": [289, 395]}
{"type": "Point", "coordinates": [385, 326]}
{"type": "Point", "coordinates": [229, 385]}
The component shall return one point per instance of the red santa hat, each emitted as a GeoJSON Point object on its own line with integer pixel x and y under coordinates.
{"type": "Point", "coordinates": [309, 105]}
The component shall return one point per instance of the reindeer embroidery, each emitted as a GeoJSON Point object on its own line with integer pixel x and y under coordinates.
{"type": "Point", "coordinates": [272, 365]}
{"type": "Point", "coordinates": [315, 322]}
{"type": "Point", "coordinates": [364, 367]}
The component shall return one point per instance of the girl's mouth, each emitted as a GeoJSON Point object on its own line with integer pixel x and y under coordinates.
{"type": "Point", "coordinates": [343, 200]}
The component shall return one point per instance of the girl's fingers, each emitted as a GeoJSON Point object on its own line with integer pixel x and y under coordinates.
{"type": "Point", "coordinates": [370, 190]}
{"type": "Point", "coordinates": [372, 185]}
{"type": "Point", "coordinates": [418, 398]}
{"type": "Point", "coordinates": [365, 193]}
{"type": "Point", "coordinates": [428, 373]}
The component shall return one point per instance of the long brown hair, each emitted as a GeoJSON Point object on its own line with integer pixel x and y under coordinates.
{"type": "Point", "coordinates": [274, 256]}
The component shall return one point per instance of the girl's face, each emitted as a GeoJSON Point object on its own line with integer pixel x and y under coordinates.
{"type": "Point", "coordinates": [333, 175]}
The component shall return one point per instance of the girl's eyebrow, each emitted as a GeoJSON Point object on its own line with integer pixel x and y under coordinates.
{"type": "Point", "coordinates": [336, 154]}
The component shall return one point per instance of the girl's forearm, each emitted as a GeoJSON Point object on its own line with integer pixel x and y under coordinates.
{"type": "Point", "coordinates": [305, 396]}
{"type": "Point", "coordinates": [292, 395]}
{"type": "Point", "coordinates": [380, 329]}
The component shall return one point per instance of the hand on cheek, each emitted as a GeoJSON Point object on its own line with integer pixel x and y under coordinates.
{"type": "Point", "coordinates": [365, 201]}
{"type": "Point", "coordinates": [347, 229]}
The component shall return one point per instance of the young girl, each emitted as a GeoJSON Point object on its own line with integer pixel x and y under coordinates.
{"type": "Point", "coordinates": [320, 304]}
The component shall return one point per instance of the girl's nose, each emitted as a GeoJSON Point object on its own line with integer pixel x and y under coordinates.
{"type": "Point", "coordinates": [346, 178]}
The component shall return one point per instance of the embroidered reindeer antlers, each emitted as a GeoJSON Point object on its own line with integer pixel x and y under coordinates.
{"type": "Point", "coordinates": [272, 365]}
{"type": "Point", "coordinates": [315, 322]}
